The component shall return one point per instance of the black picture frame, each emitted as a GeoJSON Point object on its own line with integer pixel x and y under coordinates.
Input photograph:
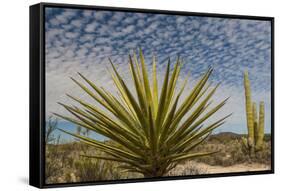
{"type": "Point", "coordinates": [37, 94]}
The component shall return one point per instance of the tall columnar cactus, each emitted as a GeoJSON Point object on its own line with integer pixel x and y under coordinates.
{"type": "Point", "coordinates": [255, 123]}
{"type": "Point", "coordinates": [249, 111]}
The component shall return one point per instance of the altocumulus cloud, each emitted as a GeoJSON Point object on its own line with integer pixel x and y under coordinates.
{"type": "Point", "coordinates": [83, 40]}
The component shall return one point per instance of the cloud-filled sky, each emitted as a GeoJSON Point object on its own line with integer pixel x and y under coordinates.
{"type": "Point", "coordinates": [83, 40]}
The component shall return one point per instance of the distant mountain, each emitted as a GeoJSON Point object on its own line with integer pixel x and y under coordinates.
{"type": "Point", "coordinates": [230, 136]}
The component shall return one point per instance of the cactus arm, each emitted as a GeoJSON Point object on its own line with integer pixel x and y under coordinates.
{"type": "Point", "coordinates": [260, 136]}
{"type": "Point", "coordinates": [255, 122]}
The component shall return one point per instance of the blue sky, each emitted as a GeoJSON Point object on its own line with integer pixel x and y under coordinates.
{"type": "Point", "coordinates": [82, 40]}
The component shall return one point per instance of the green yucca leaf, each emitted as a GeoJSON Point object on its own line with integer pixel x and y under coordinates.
{"type": "Point", "coordinates": [198, 111]}
{"type": "Point", "coordinates": [139, 88]}
{"type": "Point", "coordinates": [155, 86]}
{"type": "Point", "coordinates": [146, 81]}
{"type": "Point", "coordinates": [152, 132]}
{"type": "Point", "coordinates": [172, 85]}
{"type": "Point", "coordinates": [160, 114]}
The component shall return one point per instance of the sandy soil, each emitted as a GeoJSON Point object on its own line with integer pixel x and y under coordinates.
{"type": "Point", "coordinates": [235, 168]}
{"type": "Point", "coordinates": [202, 168]}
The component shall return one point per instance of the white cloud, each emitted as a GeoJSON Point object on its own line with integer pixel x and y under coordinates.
{"type": "Point", "coordinates": [87, 13]}
{"type": "Point", "coordinates": [128, 29]}
{"type": "Point", "coordinates": [98, 73]}
{"type": "Point", "coordinates": [91, 27]}
{"type": "Point", "coordinates": [76, 23]}
{"type": "Point", "coordinates": [72, 34]}
{"type": "Point", "coordinates": [230, 46]}
{"type": "Point", "coordinates": [180, 19]}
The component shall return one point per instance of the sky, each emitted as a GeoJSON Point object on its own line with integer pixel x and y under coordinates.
{"type": "Point", "coordinates": [83, 40]}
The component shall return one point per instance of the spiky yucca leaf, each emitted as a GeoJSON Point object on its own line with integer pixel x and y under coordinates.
{"type": "Point", "coordinates": [153, 131]}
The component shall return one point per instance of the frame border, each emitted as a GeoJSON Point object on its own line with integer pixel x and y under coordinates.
{"type": "Point", "coordinates": [37, 94]}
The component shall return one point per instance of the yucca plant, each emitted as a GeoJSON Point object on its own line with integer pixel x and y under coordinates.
{"type": "Point", "coordinates": [150, 132]}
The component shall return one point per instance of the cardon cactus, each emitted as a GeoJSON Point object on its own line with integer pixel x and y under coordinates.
{"type": "Point", "coordinates": [255, 123]}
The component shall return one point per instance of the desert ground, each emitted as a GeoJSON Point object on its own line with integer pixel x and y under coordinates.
{"type": "Point", "coordinates": [215, 169]}
{"type": "Point", "coordinates": [65, 164]}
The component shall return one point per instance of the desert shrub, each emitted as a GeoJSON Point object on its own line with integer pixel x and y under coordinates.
{"type": "Point", "coordinates": [65, 163]}
{"type": "Point", "coordinates": [231, 152]}
{"type": "Point", "coordinates": [188, 168]}
{"type": "Point", "coordinates": [58, 161]}
{"type": "Point", "coordinates": [264, 155]}
{"type": "Point", "coordinates": [91, 169]}
{"type": "Point", "coordinates": [58, 158]}
{"type": "Point", "coordinates": [95, 170]}
{"type": "Point", "coordinates": [193, 169]}
{"type": "Point", "coordinates": [52, 163]}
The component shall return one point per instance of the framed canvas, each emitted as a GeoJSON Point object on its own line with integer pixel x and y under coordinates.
{"type": "Point", "coordinates": [123, 95]}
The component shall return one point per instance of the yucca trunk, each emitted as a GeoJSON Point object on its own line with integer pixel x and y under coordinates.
{"type": "Point", "coordinates": [157, 171]}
